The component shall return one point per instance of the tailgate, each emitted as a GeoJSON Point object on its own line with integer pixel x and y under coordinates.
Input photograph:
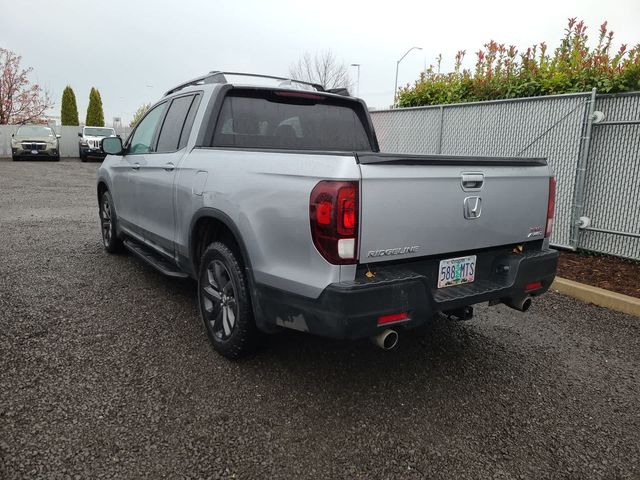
{"type": "Point", "coordinates": [429, 205]}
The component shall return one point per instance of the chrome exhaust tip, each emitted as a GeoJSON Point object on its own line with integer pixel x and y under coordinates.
{"type": "Point", "coordinates": [386, 340]}
{"type": "Point", "coordinates": [521, 304]}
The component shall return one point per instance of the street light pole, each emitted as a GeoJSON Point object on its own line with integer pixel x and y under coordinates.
{"type": "Point", "coordinates": [395, 90]}
{"type": "Point", "coordinates": [358, 89]}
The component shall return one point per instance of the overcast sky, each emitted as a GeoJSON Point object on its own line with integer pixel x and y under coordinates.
{"type": "Point", "coordinates": [134, 50]}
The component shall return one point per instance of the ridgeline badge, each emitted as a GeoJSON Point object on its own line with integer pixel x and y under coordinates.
{"type": "Point", "coordinates": [393, 251]}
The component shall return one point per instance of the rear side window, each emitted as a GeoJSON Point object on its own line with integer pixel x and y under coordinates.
{"type": "Point", "coordinates": [281, 120]}
{"type": "Point", "coordinates": [173, 124]}
{"type": "Point", "coordinates": [186, 130]}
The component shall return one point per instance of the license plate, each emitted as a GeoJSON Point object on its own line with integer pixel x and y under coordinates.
{"type": "Point", "coordinates": [34, 152]}
{"type": "Point", "coordinates": [456, 271]}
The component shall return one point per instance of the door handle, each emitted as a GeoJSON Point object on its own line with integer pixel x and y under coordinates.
{"type": "Point", "coordinates": [169, 167]}
{"type": "Point", "coordinates": [472, 181]}
{"type": "Point", "coordinates": [135, 166]}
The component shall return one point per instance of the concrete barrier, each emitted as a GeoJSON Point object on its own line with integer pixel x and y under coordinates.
{"type": "Point", "coordinates": [597, 296]}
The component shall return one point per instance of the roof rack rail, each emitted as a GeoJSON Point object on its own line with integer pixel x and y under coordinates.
{"type": "Point", "coordinates": [344, 91]}
{"type": "Point", "coordinates": [220, 77]}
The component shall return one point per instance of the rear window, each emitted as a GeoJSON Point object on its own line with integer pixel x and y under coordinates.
{"type": "Point", "coordinates": [281, 121]}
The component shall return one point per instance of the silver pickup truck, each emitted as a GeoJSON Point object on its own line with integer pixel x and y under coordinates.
{"type": "Point", "coordinates": [277, 200]}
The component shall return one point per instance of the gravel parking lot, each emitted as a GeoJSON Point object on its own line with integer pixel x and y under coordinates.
{"type": "Point", "coordinates": [106, 372]}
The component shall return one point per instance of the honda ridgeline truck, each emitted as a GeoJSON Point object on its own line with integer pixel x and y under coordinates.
{"type": "Point", "coordinates": [277, 200]}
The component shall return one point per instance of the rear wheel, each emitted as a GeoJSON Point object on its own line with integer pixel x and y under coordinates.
{"type": "Point", "coordinates": [108, 219]}
{"type": "Point", "coordinates": [225, 305]}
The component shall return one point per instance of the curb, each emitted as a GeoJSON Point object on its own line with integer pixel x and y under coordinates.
{"type": "Point", "coordinates": [597, 296]}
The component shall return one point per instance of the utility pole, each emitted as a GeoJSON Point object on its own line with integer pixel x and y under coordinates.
{"type": "Point", "coordinates": [358, 87]}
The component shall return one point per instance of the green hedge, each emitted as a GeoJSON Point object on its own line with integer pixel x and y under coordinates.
{"type": "Point", "coordinates": [503, 72]}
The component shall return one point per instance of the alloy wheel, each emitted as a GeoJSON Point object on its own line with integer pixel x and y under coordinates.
{"type": "Point", "coordinates": [107, 224]}
{"type": "Point", "coordinates": [220, 307]}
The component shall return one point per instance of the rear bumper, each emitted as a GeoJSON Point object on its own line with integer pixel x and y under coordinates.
{"type": "Point", "coordinates": [351, 309]}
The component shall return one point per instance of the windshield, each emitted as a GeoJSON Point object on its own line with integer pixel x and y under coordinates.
{"type": "Point", "coordinates": [34, 130]}
{"type": "Point", "coordinates": [99, 132]}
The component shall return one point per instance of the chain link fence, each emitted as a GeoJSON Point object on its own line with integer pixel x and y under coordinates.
{"type": "Point", "coordinates": [597, 164]}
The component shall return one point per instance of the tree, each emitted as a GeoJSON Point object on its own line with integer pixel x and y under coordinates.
{"type": "Point", "coordinates": [323, 68]}
{"type": "Point", "coordinates": [20, 100]}
{"type": "Point", "coordinates": [95, 115]}
{"type": "Point", "coordinates": [142, 109]}
{"type": "Point", "coordinates": [69, 109]}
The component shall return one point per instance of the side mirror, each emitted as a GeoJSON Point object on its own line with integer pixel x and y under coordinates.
{"type": "Point", "coordinates": [111, 145]}
{"type": "Point", "coordinates": [80, 134]}
{"type": "Point", "coordinates": [58, 136]}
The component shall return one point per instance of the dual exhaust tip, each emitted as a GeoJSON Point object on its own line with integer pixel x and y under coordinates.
{"type": "Point", "coordinates": [388, 339]}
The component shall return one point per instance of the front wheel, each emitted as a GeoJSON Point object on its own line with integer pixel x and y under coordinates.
{"type": "Point", "coordinates": [108, 219]}
{"type": "Point", "coordinates": [225, 305]}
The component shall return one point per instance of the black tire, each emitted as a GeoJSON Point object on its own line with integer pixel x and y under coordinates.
{"type": "Point", "coordinates": [56, 158]}
{"type": "Point", "coordinates": [83, 158]}
{"type": "Point", "coordinates": [108, 221]}
{"type": "Point", "coordinates": [225, 304]}
{"type": "Point", "coordinates": [15, 158]}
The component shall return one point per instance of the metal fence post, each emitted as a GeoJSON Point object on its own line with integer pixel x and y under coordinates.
{"type": "Point", "coordinates": [440, 129]}
{"type": "Point", "coordinates": [581, 172]}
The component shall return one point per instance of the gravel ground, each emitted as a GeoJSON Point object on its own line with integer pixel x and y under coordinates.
{"type": "Point", "coordinates": [106, 372]}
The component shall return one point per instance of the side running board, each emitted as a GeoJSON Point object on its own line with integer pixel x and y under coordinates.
{"type": "Point", "coordinates": [155, 260]}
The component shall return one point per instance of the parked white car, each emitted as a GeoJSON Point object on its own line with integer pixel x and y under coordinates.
{"type": "Point", "coordinates": [90, 138]}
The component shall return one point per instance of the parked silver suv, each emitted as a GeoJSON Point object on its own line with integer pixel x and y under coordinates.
{"type": "Point", "coordinates": [276, 199]}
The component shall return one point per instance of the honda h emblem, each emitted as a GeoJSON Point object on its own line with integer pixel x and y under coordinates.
{"type": "Point", "coordinates": [472, 207]}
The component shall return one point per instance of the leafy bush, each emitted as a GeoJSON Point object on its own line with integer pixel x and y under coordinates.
{"type": "Point", "coordinates": [502, 72]}
{"type": "Point", "coordinates": [95, 114]}
{"type": "Point", "coordinates": [69, 109]}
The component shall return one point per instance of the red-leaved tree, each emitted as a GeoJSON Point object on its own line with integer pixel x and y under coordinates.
{"type": "Point", "coordinates": [20, 100]}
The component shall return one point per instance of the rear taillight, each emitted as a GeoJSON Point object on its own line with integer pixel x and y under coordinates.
{"type": "Point", "coordinates": [530, 287]}
{"type": "Point", "coordinates": [394, 317]}
{"type": "Point", "coordinates": [551, 206]}
{"type": "Point", "coordinates": [333, 212]}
